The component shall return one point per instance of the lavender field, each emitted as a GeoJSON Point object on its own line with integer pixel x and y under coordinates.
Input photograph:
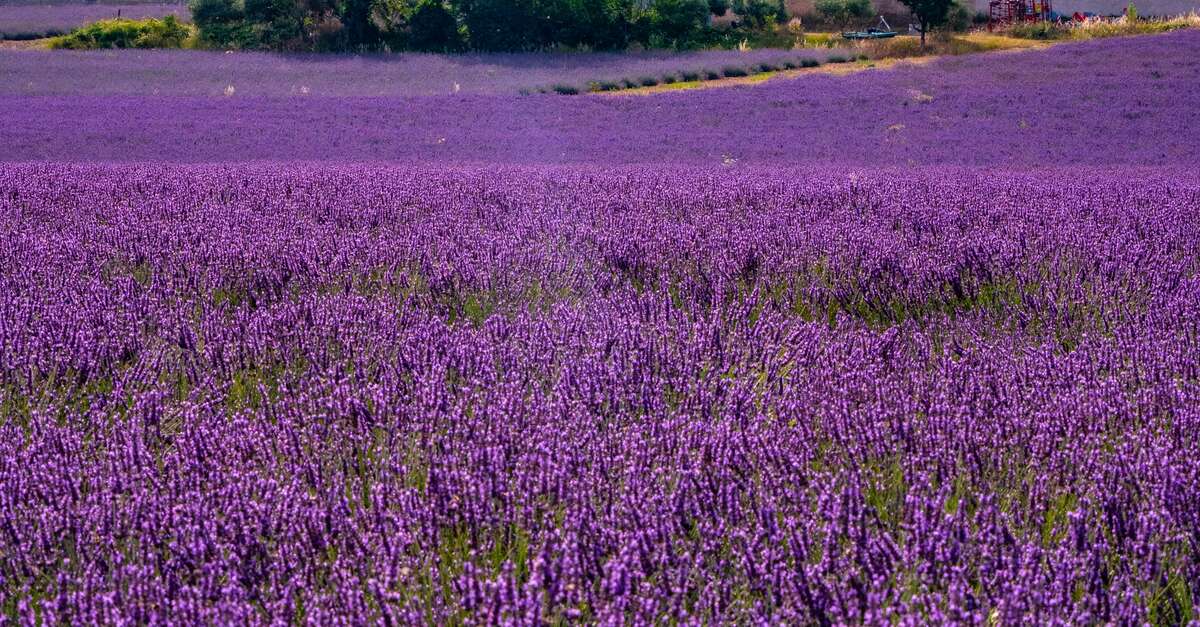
{"type": "Point", "coordinates": [396, 75]}
{"type": "Point", "coordinates": [1120, 101]}
{"type": "Point", "coordinates": [915, 346]}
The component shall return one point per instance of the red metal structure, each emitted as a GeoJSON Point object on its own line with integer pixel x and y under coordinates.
{"type": "Point", "coordinates": [1004, 12]}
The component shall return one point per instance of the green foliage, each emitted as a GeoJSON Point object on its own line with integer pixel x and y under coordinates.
{"type": "Point", "coordinates": [760, 13]}
{"type": "Point", "coordinates": [677, 23]}
{"type": "Point", "coordinates": [1131, 12]}
{"type": "Point", "coordinates": [1042, 31]}
{"type": "Point", "coordinates": [168, 32]}
{"type": "Point", "coordinates": [433, 28]}
{"type": "Point", "coordinates": [488, 25]}
{"type": "Point", "coordinates": [734, 71]}
{"type": "Point", "coordinates": [537, 24]}
{"type": "Point", "coordinates": [844, 11]}
{"type": "Point", "coordinates": [959, 18]}
{"type": "Point", "coordinates": [221, 23]}
{"type": "Point", "coordinates": [930, 14]}
{"type": "Point", "coordinates": [565, 90]}
{"type": "Point", "coordinates": [1095, 30]}
{"type": "Point", "coordinates": [275, 24]}
{"type": "Point", "coordinates": [500, 24]}
{"type": "Point", "coordinates": [605, 24]}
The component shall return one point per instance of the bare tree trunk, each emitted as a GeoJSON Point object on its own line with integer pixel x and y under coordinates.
{"type": "Point", "coordinates": [923, 29]}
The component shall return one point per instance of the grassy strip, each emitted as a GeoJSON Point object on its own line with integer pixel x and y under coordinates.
{"type": "Point", "coordinates": [1098, 29]}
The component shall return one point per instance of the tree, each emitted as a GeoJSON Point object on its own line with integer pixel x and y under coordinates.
{"type": "Point", "coordinates": [603, 24]}
{"type": "Point", "coordinates": [758, 13]}
{"type": "Point", "coordinates": [500, 24]}
{"type": "Point", "coordinates": [841, 12]}
{"type": "Point", "coordinates": [679, 21]}
{"type": "Point", "coordinates": [929, 13]}
{"type": "Point", "coordinates": [220, 22]}
{"type": "Point", "coordinates": [274, 24]}
{"type": "Point", "coordinates": [958, 18]}
{"type": "Point", "coordinates": [433, 28]}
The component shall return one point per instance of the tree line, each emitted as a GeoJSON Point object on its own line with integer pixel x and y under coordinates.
{"type": "Point", "coordinates": [456, 25]}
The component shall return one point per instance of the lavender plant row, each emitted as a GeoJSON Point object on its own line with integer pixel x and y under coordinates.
{"type": "Point", "coordinates": [349, 394]}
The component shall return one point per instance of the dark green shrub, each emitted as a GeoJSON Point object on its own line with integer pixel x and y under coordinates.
{"type": "Point", "coordinates": [958, 19]}
{"type": "Point", "coordinates": [667, 79]}
{"type": "Point", "coordinates": [500, 24]}
{"type": "Point", "coordinates": [565, 90]}
{"type": "Point", "coordinates": [678, 23]}
{"type": "Point", "coordinates": [452, 25]}
{"type": "Point", "coordinates": [432, 28]}
{"type": "Point", "coordinates": [766, 67]}
{"type": "Point", "coordinates": [790, 65]}
{"type": "Point", "coordinates": [929, 14]}
{"type": "Point", "coordinates": [733, 71]}
{"type": "Point", "coordinates": [690, 75]}
{"type": "Point", "coordinates": [760, 13]}
{"type": "Point", "coordinates": [629, 83]}
{"type": "Point", "coordinates": [275, 24]}
{"type": "Point", "coordinates": [648, 81]}
{"type": "Point", "coordinates": [168, 32]}
{"type": "Point", "coordinates": [842, 12]}
{"type": "Point", "coordinates": [809, 63]}
{"type": "Point", "coordinates": [710, 75]}
{"type": "Point", "coordinates": [219, 22]}
{"type": "Point", "coordinates": [837, 58]}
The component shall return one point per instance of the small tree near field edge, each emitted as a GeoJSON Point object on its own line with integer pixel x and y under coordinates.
{"type": "Point", "coordinates": [841, 12]}
{"type": "Point", "coordinates": [930, 14]}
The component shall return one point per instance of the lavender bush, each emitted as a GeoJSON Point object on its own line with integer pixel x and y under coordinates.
{"type": "Point", "coordinates": [907, 347]}
{"type": "Point", "coordinates": [392, 394]}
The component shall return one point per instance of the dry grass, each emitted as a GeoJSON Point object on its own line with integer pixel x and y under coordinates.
{"type": "Point", "coordinates": [908, 47]}
{"type": "Point", "coordinates": [1099, 28]}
